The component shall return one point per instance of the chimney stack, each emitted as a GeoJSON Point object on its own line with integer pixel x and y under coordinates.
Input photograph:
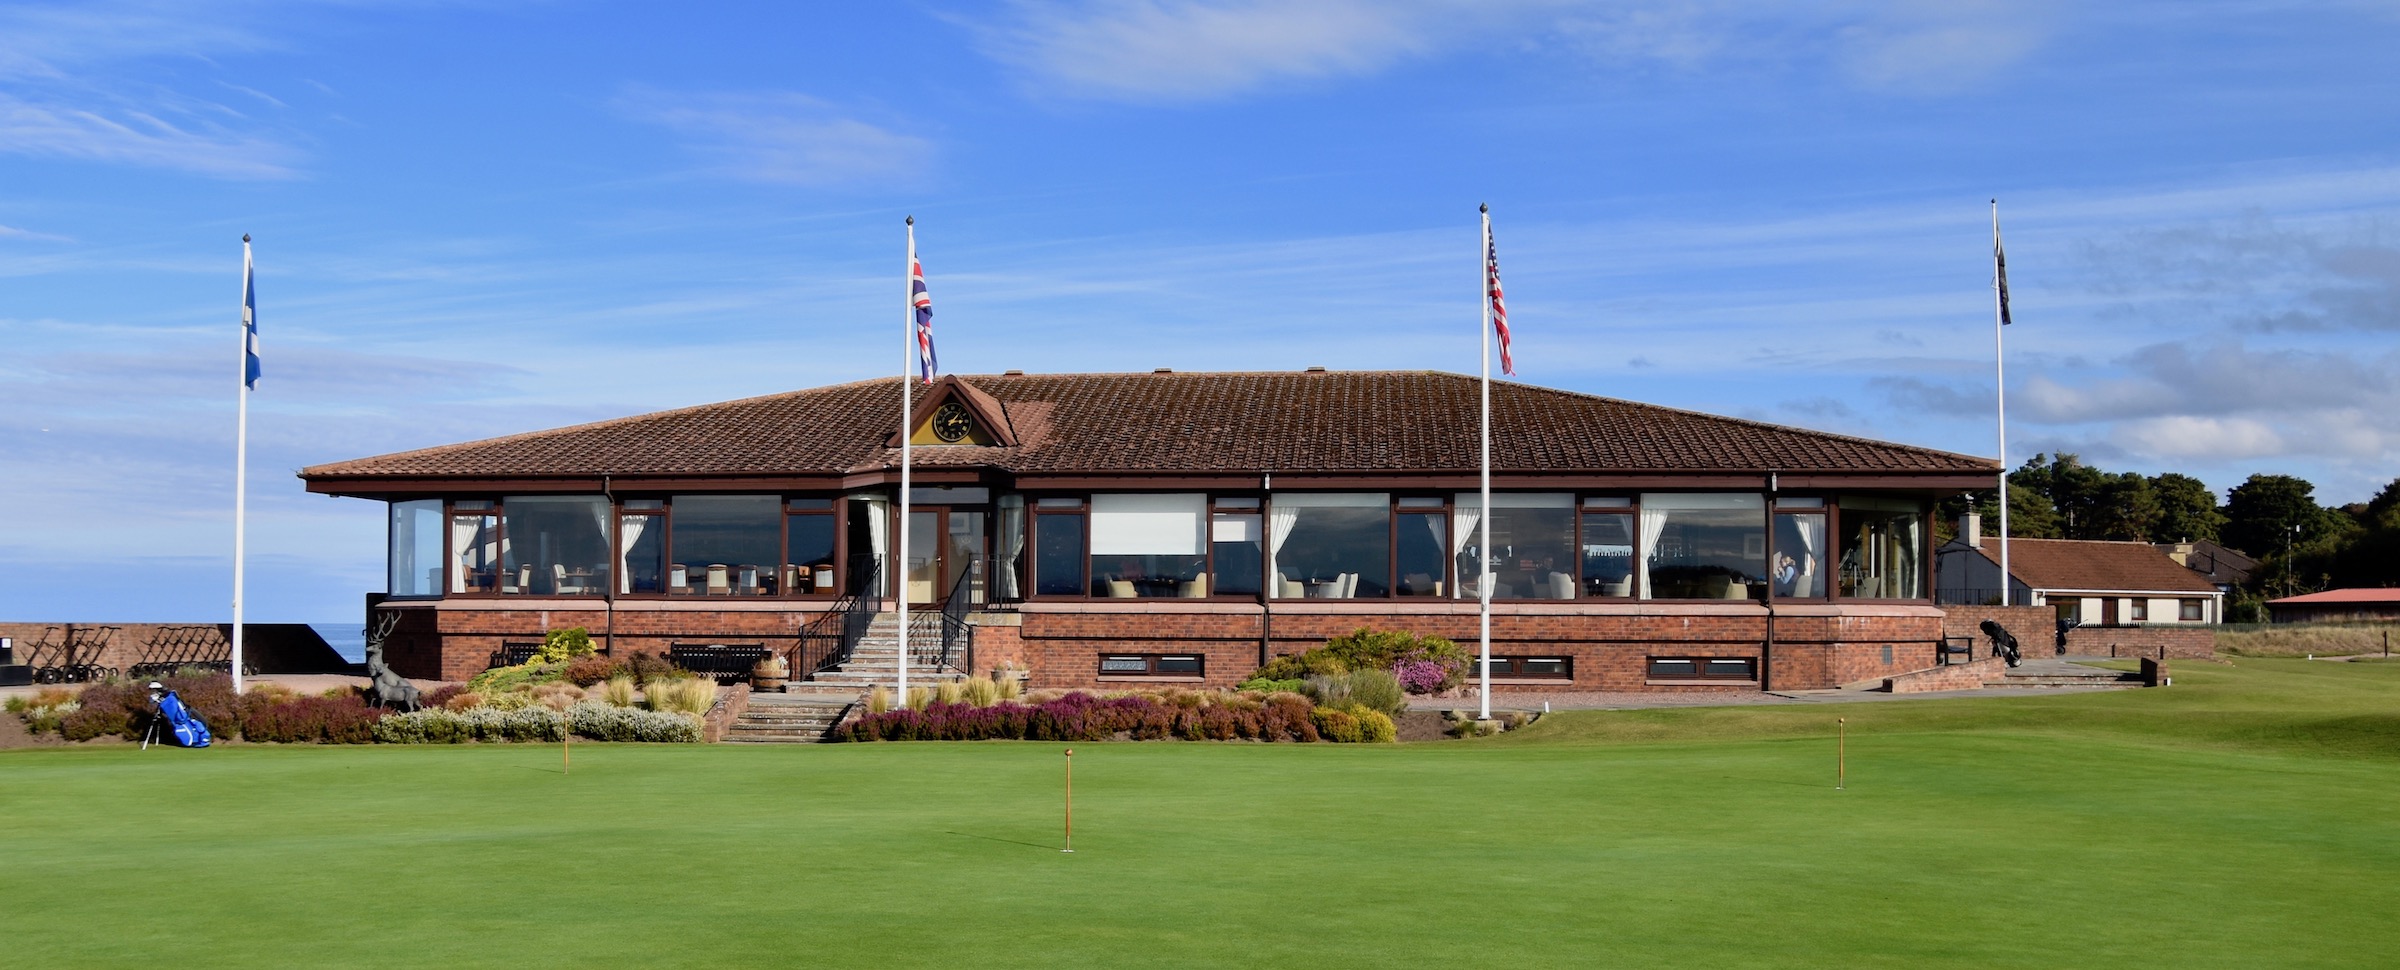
{"type": "Point", "coordinates": [1970, 529]}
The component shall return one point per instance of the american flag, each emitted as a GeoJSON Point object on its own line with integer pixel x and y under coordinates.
{"type": "Point", "coordinates": [1491, 285]}
{"type": "Point", "coordinates": [926, 362]}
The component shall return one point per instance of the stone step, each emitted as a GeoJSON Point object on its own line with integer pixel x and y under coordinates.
{"type": "Point", "coordinates": [2065, 680]}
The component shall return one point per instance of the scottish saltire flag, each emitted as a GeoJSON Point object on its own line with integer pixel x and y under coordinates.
{"type": "Point", "coordinates": [927, 364]}
{"type": "Point", "coordinates": [249, 322]}
{"type": "Point", "coordinates": [2000, 272]}
{"type": "Point", "coordinates": [1491, 278]}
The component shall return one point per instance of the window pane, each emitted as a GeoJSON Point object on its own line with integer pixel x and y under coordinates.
{"type": "Point", "coordinates": [1883, 549]}
{"type": "Point", "coordinates": [1799, 569]}
{"type": "Point", "coordinates": [416, 553]}
{"type": "Point", "coordinates": [1234, 542]}
{"type": "Point", "coordinates": [1124, 665]}
{"type": "Point", "coordinates": [557, 544]}
{"type": "Point", "coordinates": [1058, 555]}
{"type": "Point", "coordinates": [727, 544]}
{"type": "Point", "coordinates": [1325, 550]}
{"type": "Point", "coordinates": [475, 552]}
{"type": "Point", "coordinates": [1608, 554]}
{"type": "Point", "coordinates": [1178, 665]}
{"type": "Point", "coordinates": [1730, 669]}
{"type": "Point", "coordinates": [808, 554]}
{"type": "Point", "coordinates": [1542, 667]}
{"type": "Point", "coordinates": [1673, 667]}
{"type": "Point", "coordinates": [644, 565]}
{"type": "Point", "coordinates": [1148, 545]}
{"type": "Point", "coordinates": [1704, 546]}
{"type": "Point", "coordinates": [1423, 547]}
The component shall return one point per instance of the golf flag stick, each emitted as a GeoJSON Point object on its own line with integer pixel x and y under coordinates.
{"type": "Point", "coordinates": [1841, 752]}
{"type": "Point", "coordinates": [1070, 846]}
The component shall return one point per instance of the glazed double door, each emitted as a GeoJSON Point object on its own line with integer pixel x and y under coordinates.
{"type": "Point", "coordinates": [945, 545]}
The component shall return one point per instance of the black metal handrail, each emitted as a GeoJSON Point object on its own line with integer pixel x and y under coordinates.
{"type": "Point", "coordinates": [945, 640]}
{"type": "Point", "coordinates": [830, 639]}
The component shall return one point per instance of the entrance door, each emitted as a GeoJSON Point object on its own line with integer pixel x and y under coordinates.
{"type": "Point", "coordinates": [945, 544]}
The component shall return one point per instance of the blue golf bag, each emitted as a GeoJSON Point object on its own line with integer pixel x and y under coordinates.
{"type": "Point", "coordinates": [187, 731]}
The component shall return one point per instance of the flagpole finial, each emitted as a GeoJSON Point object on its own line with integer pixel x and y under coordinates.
{"type": "Point", "coordinates": [1485, 208]}
{"type": "Point", "coordinates": [912, 220]}
{"type": "Point", "coordinates": [245, 237]}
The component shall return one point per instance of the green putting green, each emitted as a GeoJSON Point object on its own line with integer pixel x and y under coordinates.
{"type": "Point", "coordinates": [2246, 817]}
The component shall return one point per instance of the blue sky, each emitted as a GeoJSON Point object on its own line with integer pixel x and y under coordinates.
{"type": "Point", "coordinates": [479, 219]}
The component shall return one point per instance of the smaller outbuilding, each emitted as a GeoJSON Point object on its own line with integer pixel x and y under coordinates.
{"type": "Point", "coordinates": [2336, 605]}
{"type": "Point", "coordinates": [2088, 582]}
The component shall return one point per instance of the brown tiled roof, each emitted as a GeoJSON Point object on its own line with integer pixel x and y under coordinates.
{"type": "Point", "coordinates": [2085, 564]}
{"type": "Point", "coordinates": [2333, 597]}
{"type": "Point", "coordinates": [1370, 421]}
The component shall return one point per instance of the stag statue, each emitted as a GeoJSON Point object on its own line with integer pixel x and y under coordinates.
{"type": "Point", "coordinates": [2004, 643]}
{"type": "Point", "coordinates": [385, 688]}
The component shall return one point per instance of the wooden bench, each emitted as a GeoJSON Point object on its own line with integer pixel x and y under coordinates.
{"type": "Point", "coordinates": [728, 663]}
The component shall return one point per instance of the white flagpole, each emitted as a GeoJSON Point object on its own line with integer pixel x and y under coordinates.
{"type": "Point", "coordinates": [1483, 545]}
{"type": "Point", "coordinates": [241, 463]}
{"type": "Point", "coordinates": [2000, 389]}
{"type": "Point", "coordinates": [908, 353]}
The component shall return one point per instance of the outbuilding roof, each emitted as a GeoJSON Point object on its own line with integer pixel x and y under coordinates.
{"type": "Point", "coordinates": [2340, 596]}
{"type": "Point", "coordinates": [1164, 424]}
{"type": "Point", "coordinates": [2096, 565]}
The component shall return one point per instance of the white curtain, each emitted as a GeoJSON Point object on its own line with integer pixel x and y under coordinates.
{"type": "Point", "coordinates": [1653, 520]}
{"type": "Point", "coordinates": [629, 533]}
{"type": "Point", "coordinates": [879, 533]}
{"type": "Point", "coordinates": [1466, 514]}
{"type": "Point", "coordinates": [1811, 529]}
{"type": "Point", "coordinates": [462, 545]}
{"type": "Point", "coordinates": [1280, 520]}
{"type": "Point", "coordinates": [1012, 546]}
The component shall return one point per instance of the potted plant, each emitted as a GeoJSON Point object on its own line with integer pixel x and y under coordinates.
{"type": "Point", "coordinates": [770, 673]}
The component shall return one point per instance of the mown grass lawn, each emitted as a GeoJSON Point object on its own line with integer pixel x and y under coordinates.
{"type": "Point", "coordinates": [2247, 817]}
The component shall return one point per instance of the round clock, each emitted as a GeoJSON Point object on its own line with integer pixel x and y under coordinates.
{"type": "Point", "coordinates": [951, 423]}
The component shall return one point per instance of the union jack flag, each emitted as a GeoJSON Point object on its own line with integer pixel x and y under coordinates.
{"type": "Point", "coordinates": [927, 364]}
{"type": "Point", "coordinates": [1491, 286]}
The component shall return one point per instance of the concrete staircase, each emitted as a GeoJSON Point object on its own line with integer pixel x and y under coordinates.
{"type": "Point", "coordinates": [2054, 672]}
{"type": "Point", "coordinates": [788, 718]}
{"type": "Point", "coordinates": [874, 661]}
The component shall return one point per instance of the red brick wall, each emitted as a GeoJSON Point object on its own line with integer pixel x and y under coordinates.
{"type": "Point", "coordinates": [2035, 627]}
{"type": "Point", "coordinates": [1966, 676]}
{"type": "Point", "coordinates": [1814, 646]}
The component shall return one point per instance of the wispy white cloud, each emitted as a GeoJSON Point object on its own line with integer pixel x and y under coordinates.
{"type": "Point", "coordinates": [1189, 50]}
{"type": "Point", "coordinates": [782, 137]}
{"type": "Point", "coordinates": [12, 232]}
{"type": "Point", "coordinates": [63, 93]}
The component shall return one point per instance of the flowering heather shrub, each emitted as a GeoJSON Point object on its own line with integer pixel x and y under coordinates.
{"type": "Point", "coordinates": [321, 720]}
{"type": "Point", "coordinates": [1080, 716]}
{"type": "Point", "coordinates": [1421, 676]}
{"type": "Point", "coordinates": [1368, 649]}
{"type": "Point", "coordinates": [440, 696]}
{"type": "Point", "coordinates": [607, 722]}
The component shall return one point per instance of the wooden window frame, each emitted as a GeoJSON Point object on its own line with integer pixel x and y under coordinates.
{"type": "Point", "coordinates": [2193, 610]}
{"type": "Point", "coordinates": [1035, 516]}
{"type": "Point", "coordinates": [1152, 667]}
{"type": "Point", "coordinates": [833, 512]}
{"type": "Point", "coordinates": [1700, 674]}
{"type": "Point", "coordinates": [2137, 609]}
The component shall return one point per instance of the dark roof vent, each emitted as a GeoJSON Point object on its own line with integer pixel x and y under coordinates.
{"type": "Point", "coordinates": [1012, 373]}
{"type": "Point", "coordinates": [1164, 370]}
{"type": "Point", "coordinates": [1316, 370]}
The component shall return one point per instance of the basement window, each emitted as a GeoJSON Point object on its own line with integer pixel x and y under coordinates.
{"type": "Point", "coordinates": [1703, 669]}
{"type": "Point", "coordinates": [1152, 666]}
{"type": "Point", "coordinates": [1529, 668]}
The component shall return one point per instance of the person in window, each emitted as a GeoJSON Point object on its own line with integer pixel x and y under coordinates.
{"type": "Point", "coordinates": [1786, 572]}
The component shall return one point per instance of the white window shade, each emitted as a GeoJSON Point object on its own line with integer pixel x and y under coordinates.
{"type": "Point", "coordinates": [1149, 525]}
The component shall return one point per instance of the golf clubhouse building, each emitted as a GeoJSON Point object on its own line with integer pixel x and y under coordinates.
{"type": "Point", "coordinates": [1146, 528]}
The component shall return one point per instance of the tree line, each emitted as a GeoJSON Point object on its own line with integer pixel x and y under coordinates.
{"type": "Point", "coordinates": [2301, 546]}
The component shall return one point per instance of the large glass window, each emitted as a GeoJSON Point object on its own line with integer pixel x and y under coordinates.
{"type": "Point", "coordinates": [416, 549]}
{"type": "Point", "coordinates": [1883, 548]}
{"type": "Point", "coordinates": [1236, 547]}
{"type": "Point", "coordinates": [558, 545]}
{"type": "Point", "coordinates": [1607, 554]}
{"type": "Point", "coordinates": [724, 545]}
{"type": "Point", "coordinates": [1533, 543]}
{"type": "Point", "coordinates": [1149, 545]}
{"type": "Point", "coordinates": [1704, 546]}
{"type": "Point", "coordinates": [1798, 569]}
{"type": "Point", "coordinates": [1058, 548]}
{"type": "Point", "coordinates": [1331, 545]}
{"type": "Point", "coordinates": [808, 529]}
